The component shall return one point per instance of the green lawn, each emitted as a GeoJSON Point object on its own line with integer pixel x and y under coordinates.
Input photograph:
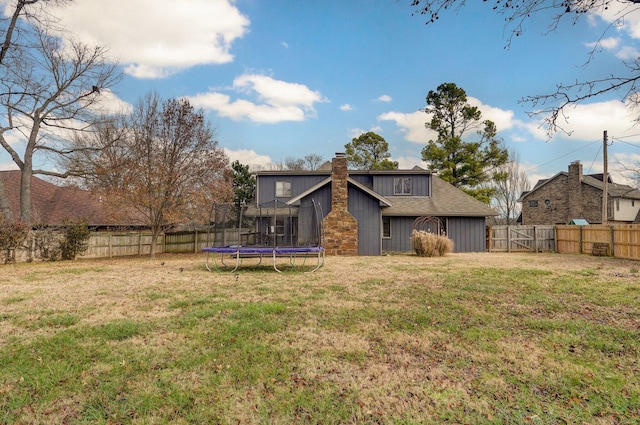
{"type": "Point", "coordinates": [464, 339]}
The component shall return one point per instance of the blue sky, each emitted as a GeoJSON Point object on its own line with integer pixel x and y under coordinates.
{"type": "Point", "coordinates": [283, 78]}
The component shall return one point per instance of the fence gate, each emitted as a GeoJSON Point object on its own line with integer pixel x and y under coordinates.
{"type": "Point", "coordinates": [521, 238]}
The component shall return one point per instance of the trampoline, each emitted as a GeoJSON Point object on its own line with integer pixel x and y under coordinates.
{"type": "Point", "coordinates": [238, 253]}
{"type": "Point", "coordinates": [276, 230]}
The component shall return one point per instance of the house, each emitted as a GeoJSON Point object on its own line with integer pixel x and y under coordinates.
{"type": "Point", "coordinates": [52, 204]}
{"type": "Point", "coordinates": [367, 212]}
{"type": "Point", "coordinates": [571, 195]}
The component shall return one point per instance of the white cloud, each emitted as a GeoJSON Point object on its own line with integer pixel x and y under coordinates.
{"type": "Point", "coordinates": [588, 121]}
{"type": "Point", "coordinates": [503, 119]}
{"type": "Point", "coordinates": [247, 157]}
{"type": "Point", "coordinates": [628, 52]}
{"type": "Point", "coordinates": [155, 38]}
{"type": "Point", "coordinates": [408, 162]}
{"type": "Point", "coordinates": [622, 15]}
{"type": "Point", "coordinates": [411, 124]}
{"type": "Point", "coordinates": [346, 107]}
{"type": "Point", "coordinates": [357, 132]}
{"type": "Point", "coordinates": [385, 98]}
{"type": "Point", "coordinates": [607, 43]}
{"type": "Point", "coordinates": [108, 103]}
{"type": "Point", "coordinates": [275, 100]}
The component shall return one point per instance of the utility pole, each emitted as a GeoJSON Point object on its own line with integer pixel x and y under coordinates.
{"type": "Point", "coordinates": [605, 178]}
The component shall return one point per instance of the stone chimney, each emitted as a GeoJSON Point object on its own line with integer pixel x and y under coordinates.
{"type": "Point", "coordinates": [340, 227]}
{"type": "Point", "coordinates": [574, 188]}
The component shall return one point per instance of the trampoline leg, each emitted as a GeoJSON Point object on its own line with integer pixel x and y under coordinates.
{"type": "Point", "coordinates": [320, 262]}
{"type": "Point", "coordinates": [206, 262]}
{"type": "Point", "coordinates": [275, 267]}
{"type": "Point", "coordinates": [237, 261]}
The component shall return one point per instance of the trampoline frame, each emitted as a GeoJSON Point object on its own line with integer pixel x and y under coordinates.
{"type": "Point", "coordinates": [240, 252]}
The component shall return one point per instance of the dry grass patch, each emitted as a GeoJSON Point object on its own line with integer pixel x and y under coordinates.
{"type": "Point", "coordinates": [465, 338]}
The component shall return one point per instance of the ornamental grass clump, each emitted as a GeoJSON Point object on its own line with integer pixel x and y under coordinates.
{"type": "Point", "coordinates": [427, 244]}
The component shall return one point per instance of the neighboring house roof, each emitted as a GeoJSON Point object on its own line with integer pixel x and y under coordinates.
{"type": "Point", "coordinates": [52, 204]}
{"type": "Point", "coordinates": [447, 200]}
{"type": "Point", "coordinates": [614, 190]}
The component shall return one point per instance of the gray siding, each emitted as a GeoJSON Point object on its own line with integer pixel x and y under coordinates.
{"type": "Point", "coordinates": [400, 240]}
{"type": "Point", "coordinates": [420, 184]}
{"type": "Point", "coordinates": [267, 185]}
{"type": "Point", "coordinates": [363, 179]}
{"type": "Point", "coordinates": [468, 233]}
{"type": "Point", "coordinates": [366, 210]}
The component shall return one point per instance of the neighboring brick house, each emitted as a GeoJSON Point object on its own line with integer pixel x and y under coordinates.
{"type": "Point", "coordinates": [572, 195]}
{"type": "Point", "coordinates": [368, 212]}
{"type": "Point", "coordinates": [52, 204]}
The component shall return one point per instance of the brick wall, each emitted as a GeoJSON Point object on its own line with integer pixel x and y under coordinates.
{"type": "Point", "coordinates": [340, 227]}
{"type": "Point", "coordinates": [562, 199]}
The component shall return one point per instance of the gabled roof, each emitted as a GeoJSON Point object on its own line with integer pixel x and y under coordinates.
{"type": "Point", "coordinates": [614, 190]}
{"type": "Point", "coordinates": [447, 200]}
{"type": "Point", "coordinates": [52, 204]}
{"type": "Point", "coordinates": [383, 200]}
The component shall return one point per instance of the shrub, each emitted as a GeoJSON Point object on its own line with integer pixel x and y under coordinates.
{"type": "Point", "coordinates": [427, 244]}
{"type": "Point", "coordinates": [65, 243]}
{"type": "Point", "coordinates": [12, 233]}
{"type": "Point", "coordinates": [76, 234]}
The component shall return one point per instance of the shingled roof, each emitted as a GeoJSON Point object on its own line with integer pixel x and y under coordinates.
{"type": "Point", "coordinates": [614, 190]}
{"type": "Point", "coordinates": [447, 200]}
{"type": "Point", "coordinates": [52, 204]}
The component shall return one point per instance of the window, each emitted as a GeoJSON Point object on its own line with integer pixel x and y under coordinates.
{"type": "Point", "coordinates": [283, 189]}
{"type": "Point", "coordinates": [386, 227]}
{"type": "Point", "coordinates": [533, 204]}
{"type": "Point", "coordinates": [402, 186]}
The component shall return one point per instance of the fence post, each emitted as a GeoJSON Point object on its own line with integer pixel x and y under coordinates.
{"type": "Point", "coordinates": [579, 239]}
{"type": "Point", "coordinates": [508, 238]}
{"type": "Point", "coordinates": [611, 239]}
{"type": "Point", "coordinates": [195, 243]}
{"type": "Point", "coordinates": [110, 246]}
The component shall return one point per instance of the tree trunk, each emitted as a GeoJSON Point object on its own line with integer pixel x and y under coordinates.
{"type": "Point", "coordinates": [5, 209]}
{"type": "Point", "coordinates": [25, 194]}
{"type": "Point", "coordinates": [154, 240]}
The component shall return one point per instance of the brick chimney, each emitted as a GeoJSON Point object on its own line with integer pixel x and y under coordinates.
{"type": "Point", "coordinates": [574, 188]}
{"type": "Point", "coordinates": [340, 227]}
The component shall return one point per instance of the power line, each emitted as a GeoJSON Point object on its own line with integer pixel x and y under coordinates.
{"type": "Point", "coordinates": [629, 143]}
{"type": "Point", "coordinates": [560, 157]}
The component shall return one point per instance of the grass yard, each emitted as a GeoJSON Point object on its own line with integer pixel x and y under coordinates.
{"type": "Point", "coordinates": [464, 339]}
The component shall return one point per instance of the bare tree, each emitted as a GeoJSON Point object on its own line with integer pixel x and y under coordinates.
{"type": "Point", "coordinates": [313, 161]}
{"type": "Point", "coordinates": [165, 165]}
{"type": "Point", "coordinates": [11, 38]}
{"type": "Point", "coordinates": [551, 105]}
{"type": "Point", "coordinates": [50, 91]}
{"type": "Point", "coordinates": [509, 188]}
{"type": "Point", "coordinates": [294, 164]}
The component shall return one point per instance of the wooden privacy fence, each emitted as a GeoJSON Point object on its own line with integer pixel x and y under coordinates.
{"type": "Point", "coordinates": [623, 240]}
{"type": "Point", "coordinates": [118, 244]}
{"type": "Point", "coordinates": [521, 238]}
